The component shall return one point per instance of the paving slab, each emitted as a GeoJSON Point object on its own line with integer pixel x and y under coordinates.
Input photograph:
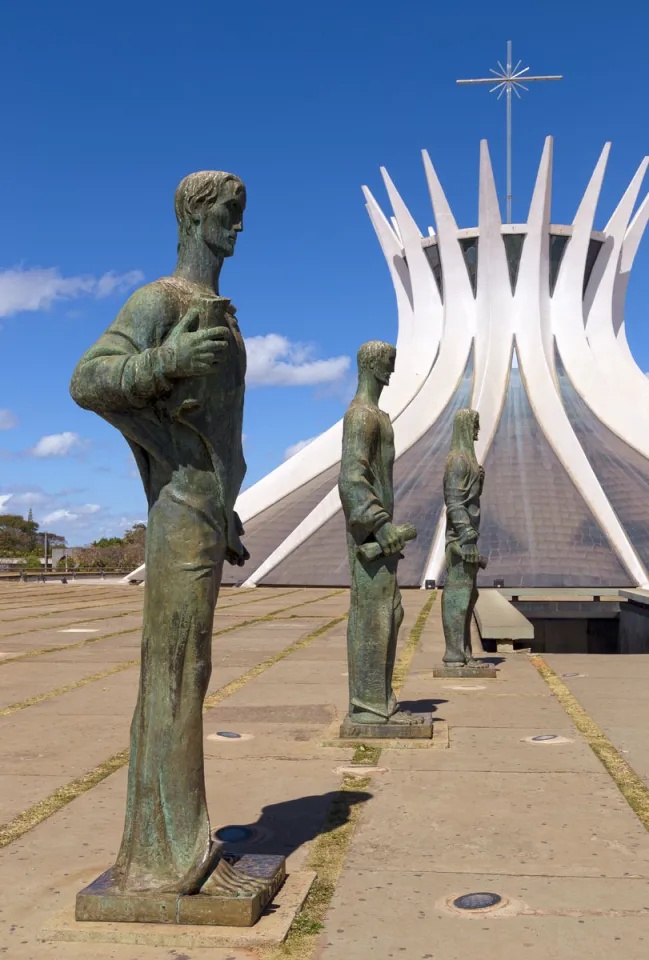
{"type": "Point", "coordinates": [390, 914]}
{"type": "Point", "coordinates": [565, 824]}
{"type": "Point", "coordinates": [497, 749]}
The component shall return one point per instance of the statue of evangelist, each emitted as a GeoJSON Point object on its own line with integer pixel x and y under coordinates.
{"type": "Point", "coordinates": [169, 374]}
{"type": "Point", "coordinates": [463, 482]}
{"type": "Point", "coordinates": [374, 546]}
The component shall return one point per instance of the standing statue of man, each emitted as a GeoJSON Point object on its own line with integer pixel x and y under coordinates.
{"type": "Point", "coordinates": [374, 544]}
{"type": "Point", "coordinates": [463, 482]}
{"type": "Point", "coordinates": [169, 374]}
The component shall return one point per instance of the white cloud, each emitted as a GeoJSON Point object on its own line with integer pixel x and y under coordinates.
{"type": "Point", "coordinates": [8, 420]}
{"type": "Point", "coordinates": [57, 515]}
{"type": "Point", "coordinates": [58, 445]}
{"type": "Point", "coordinates": [296, 447]}
{"type": "Point", "coordinates": [38, 288]}
{"type": "Point", "coordinates": [3, 499]}
{"type": "Point", "coordinates": [112, 282]}
{"type": "Point", "coordinates": [275, 361]}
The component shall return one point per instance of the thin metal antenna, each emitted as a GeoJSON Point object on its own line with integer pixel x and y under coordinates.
{"type": "Point", "coordinates": [506, 80]}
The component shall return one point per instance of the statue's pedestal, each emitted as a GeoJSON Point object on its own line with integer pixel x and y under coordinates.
{"type": "Point", "coordinates": [102, 900]}
{"type": "Point", "coordinates": [388, 730]}
{"type": "Point", "coordinates": [457, 671]}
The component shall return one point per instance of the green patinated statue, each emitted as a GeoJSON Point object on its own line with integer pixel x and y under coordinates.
{"type": "Point", "coordinates": [169, 374]}
{"type": "Point", "coordinates": [463, 482]}
{"type": "Point", "coordinates": [374, 543]}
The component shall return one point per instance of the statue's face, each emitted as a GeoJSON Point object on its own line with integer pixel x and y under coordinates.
{"type": "Point", "coordinates": [476, 428]}
{"type": "Point", "coordinates": [224, 219]}
{"type": "Point", "coordinates": [384, 368]}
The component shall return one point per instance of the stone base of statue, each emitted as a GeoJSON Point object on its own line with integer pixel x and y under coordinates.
{"type": "Point", "coordinates": [482, 669]}
{"type": "Point", "coordinates": [419, 727]}
{"type": "Point", "coordinates": [103, 901]}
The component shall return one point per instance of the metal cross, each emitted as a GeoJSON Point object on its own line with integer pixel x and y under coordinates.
{"type": "Point", "coordinates": [508, 79]}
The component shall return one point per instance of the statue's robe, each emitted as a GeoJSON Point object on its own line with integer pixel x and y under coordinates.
{"type": "Point", "coordinates": [375, 611]}
{"type": "Point", "coordinates": [185, 435]}
{"type": "Point", "coordinates": [463, 481]}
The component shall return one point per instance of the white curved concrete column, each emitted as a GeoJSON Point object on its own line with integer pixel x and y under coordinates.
{"type": "Point", "coordinates": [541, 385]}
{"type": "Point", "coordinates": [613, 402]}
{"type": "Point", "coordinates": [600, 295]}
{"type": "Point", "coordinates": [393, 252]}
{"type": "Point", "coordinates": [533, 288]}
{"type": "Point", "coordinates": [630, 246]}
{"type": "Point", "coordinates": [495, 303]}
{"type": "Point", "coordinates": [494, 335]}
{"type": "Point", "coordinates": [458, 300]}
{"type": "Point", "coordinates": [427, 302]}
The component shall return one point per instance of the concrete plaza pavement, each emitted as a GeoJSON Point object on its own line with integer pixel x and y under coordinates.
{"type": "Point", "coordinates": [542, 824]}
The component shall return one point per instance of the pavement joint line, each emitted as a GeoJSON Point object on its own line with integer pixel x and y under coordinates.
{"type": "Point", "coordinates": [72, 623]}
{"type": "Point", "coordinates": [30, 655]}
{"type": "Point", "coordinates": [405, 660]}
{"type": "Point", "coordinates": [24, 822]}
{"type": "Point", "coordinates": [41, 697]}
{"type": "Point", "coordinates": [242, 603]}
{"type": "Point", "coordinates": [55, 613]}
{"type": "Point", "coordinates": [630, 785]}
{"type": "Point", "coordinates": [330, 848]}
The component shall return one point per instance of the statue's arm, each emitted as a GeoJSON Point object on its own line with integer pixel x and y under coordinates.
{"type": "Point", "coordinates": [363, 510]}
{"type": "Point", "coordinates": [456, 481]}
{"type": "Point", "coordinates": [127, 368]}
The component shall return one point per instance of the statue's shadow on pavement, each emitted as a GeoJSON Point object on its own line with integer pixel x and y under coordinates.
{"type": "Point", "coordinates": [422, 706]}
{"type": "Point", "coordinates": [284, 827]}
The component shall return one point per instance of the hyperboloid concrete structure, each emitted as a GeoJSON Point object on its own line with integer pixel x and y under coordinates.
{"type": "Point", "coordinates": [524, 323]}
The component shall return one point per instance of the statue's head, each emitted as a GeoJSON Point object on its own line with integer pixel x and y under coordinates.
{"type": "Point", "coordinates": [377, 358]}
{"type": "Point", "coordinates": [466, 428]}
{"type": "Point", "coordinates": [209, 207]}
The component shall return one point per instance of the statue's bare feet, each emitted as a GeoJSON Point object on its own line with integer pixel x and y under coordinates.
{"type": "Point", "coordinates": [227, 881]}
{"type": "Point", "coordinates": [478, 663]}
{"type": "Point", "coordinates": [406, 717]}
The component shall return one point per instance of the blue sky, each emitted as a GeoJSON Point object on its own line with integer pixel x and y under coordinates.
{"type": "Point", "coordinates": [107, 107]}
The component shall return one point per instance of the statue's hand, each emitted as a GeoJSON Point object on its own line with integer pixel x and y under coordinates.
{"type": "Point", "coordinates": [388, 539]}
{"type": "Point", "coordinates": [236, 553]}
{"type": "Point", "coordinates": [189, 352]}
{"type": "Point", "coordinates": [470, 553]}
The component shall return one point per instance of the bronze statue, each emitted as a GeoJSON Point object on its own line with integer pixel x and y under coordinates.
{"type": "Point", "coordinates": [374, 543]}
{"type": "Point", "coordinates": [463, 482]}
{"type": "Point", "coordinates": [169, 374]}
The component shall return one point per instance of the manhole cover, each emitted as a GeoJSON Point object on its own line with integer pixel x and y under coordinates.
{"type": "Point", "coordinates": [477, 901]}
{"type": "Point", "coordinates": [228, 735]}
{"type": "Point", "coordinates": [571, 674]}
{"type": "Point", "coordinates": [543, 737]}
{"type": "Point", "coordinates": [234, 834]}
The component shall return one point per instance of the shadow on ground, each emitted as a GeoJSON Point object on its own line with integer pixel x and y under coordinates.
{"type": "Point", "coordinates": [284, 827]}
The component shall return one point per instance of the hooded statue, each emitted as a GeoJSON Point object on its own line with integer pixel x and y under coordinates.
{"type": "Point", "coordinates": [463, 482]}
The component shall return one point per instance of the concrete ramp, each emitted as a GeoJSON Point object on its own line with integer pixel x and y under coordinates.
{"type": "Point", "coordinates": [499, 620]}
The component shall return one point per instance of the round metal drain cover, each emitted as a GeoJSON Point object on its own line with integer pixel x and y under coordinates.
{"type": "Point", "coordinates": [477, 901]}
{"type": "Point", "coordinates": [228, 735]}
{"type": "Point", "coordinates": [234, 834]}
{"type": "Point", "coordinates": [543, 737]}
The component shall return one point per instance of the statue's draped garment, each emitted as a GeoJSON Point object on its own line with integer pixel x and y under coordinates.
{"type": "Point", "coordinates": [463, 481]}
{"type": "Point", "coordinates": [375, 611]}
{"type": "Point", "coordinates": [185, 435]}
